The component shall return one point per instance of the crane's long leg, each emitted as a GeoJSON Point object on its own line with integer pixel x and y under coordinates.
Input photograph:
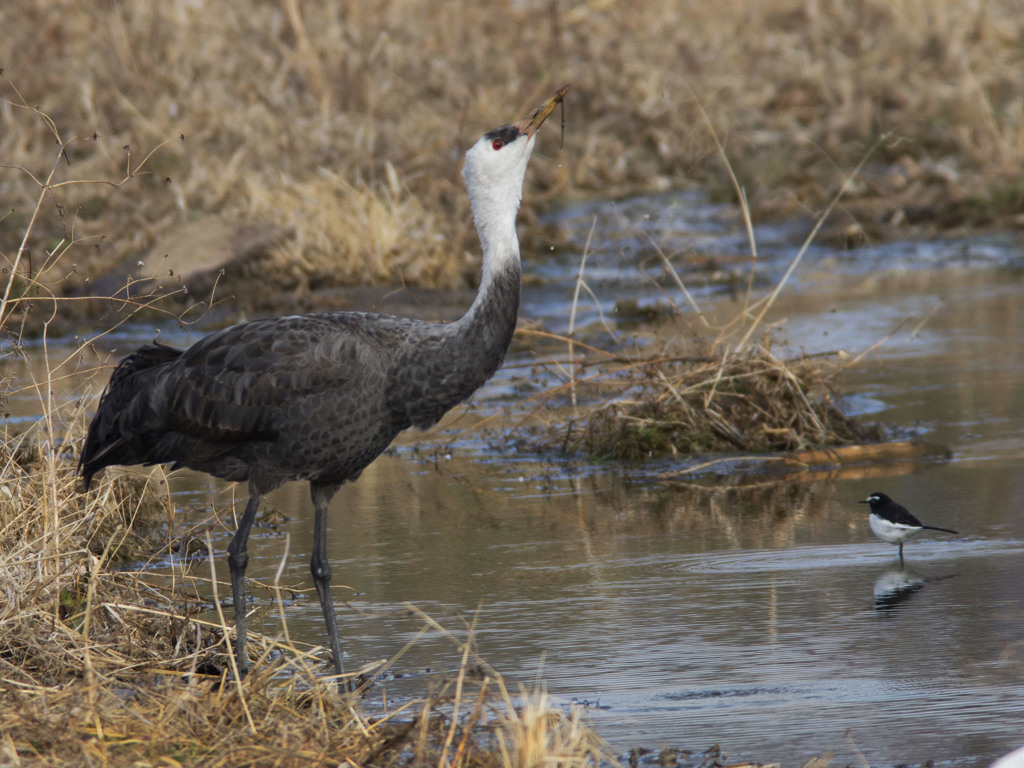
{"type": "Point", "coordinates": [321, 570]}
{"type": "Point", "coordinates": [901, 554]}
{"type": "Point", "coordinates": [238, 559]}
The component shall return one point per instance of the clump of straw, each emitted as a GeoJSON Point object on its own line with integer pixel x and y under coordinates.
{"type": "Point", "coordinates": [749, 401]}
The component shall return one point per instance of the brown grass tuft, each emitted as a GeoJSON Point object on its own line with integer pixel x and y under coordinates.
{"type": "Point", "coordinates": [748, 400]}
{"type": "Point", "coordinates": [535, 733]}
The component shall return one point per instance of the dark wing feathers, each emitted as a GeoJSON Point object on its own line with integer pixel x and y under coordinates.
{"type": "Point", "coordinates": [104, 444]}
{"type": "Point", "coordinates": [236, 387]}
{"type": "Point", "coordinates": [896, 513]}
{"type": "Point", "coordinates": [900, 514]}
{"type": "Point", "coordinates": [904, 516]}
{"type": "Point", "coordinates": [240, 381]}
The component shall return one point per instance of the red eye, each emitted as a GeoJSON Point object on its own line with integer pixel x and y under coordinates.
{"type": "Point", "coordinates": [498, 144]}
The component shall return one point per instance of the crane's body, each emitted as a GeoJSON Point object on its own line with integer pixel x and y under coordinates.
{"type": "Point", "coordinates": [318, 397]}
{"type": "Point", "coordinates": [312, 397]}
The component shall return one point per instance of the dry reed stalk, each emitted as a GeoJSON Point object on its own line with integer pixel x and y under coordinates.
{"type": "Point", "coordinates": [532, 732]}
{"type": "Point", "coordinates": [572, 312]}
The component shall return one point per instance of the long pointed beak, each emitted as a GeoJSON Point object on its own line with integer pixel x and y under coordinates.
{"type": "Point", "coordinates": [864, 501]}
{"type": "Point", "coordinates": [540, 114]}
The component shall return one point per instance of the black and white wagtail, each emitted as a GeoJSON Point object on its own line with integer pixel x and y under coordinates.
{"type": "Point", "coordinates": [893, 522]}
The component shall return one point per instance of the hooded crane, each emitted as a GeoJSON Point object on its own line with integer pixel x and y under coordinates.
{"type": "Point", "coordinates": [318, 397]}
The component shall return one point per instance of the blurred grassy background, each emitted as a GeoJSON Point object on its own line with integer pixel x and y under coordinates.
{"type": "Point", "coordinates": [339, 125]}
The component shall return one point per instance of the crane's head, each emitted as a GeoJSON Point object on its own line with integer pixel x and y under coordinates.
{"type": "Point", "coordinates": [496, 165]}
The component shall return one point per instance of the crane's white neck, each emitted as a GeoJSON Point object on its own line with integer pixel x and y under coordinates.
{"type": "Point", "coordinates": [494, 180]}
{"type": "Point", "coordinates": [447, 365]}
{"type": "Point", "coordinates": [500, 248]}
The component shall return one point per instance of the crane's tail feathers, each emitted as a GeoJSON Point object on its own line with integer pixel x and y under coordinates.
{"type": "Point", "coordinates": [105, 443]}
{"type": "Point", "coordinates": [944, 530]}
{"type": "Point", "coordinates": [89, 466]}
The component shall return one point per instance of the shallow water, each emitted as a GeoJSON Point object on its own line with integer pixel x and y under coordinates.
{"type": "Point", "coordinates": [767, 619]}
{"type": "Point", "coordinates": [770, 622]}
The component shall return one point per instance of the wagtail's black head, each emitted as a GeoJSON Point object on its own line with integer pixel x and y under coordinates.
{"type": "Point", "coordinates": [876, 500]}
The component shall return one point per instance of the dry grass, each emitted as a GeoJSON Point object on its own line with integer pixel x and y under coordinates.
{"type": "Point", "coordinates": [749, 401]}
{"type": "Point", "coordinates": [342, 123]}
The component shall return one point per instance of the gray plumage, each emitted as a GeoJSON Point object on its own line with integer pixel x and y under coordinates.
{"type": "Point", "coordinates": [318, 397]}
{"type": "Point", "coordinates": [313, 397]}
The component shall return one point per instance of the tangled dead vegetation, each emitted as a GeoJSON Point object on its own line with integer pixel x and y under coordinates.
{"type": "Point", "coordinates": [66, 608]}
{"type": "Point", "coordinates": [749, 400]}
